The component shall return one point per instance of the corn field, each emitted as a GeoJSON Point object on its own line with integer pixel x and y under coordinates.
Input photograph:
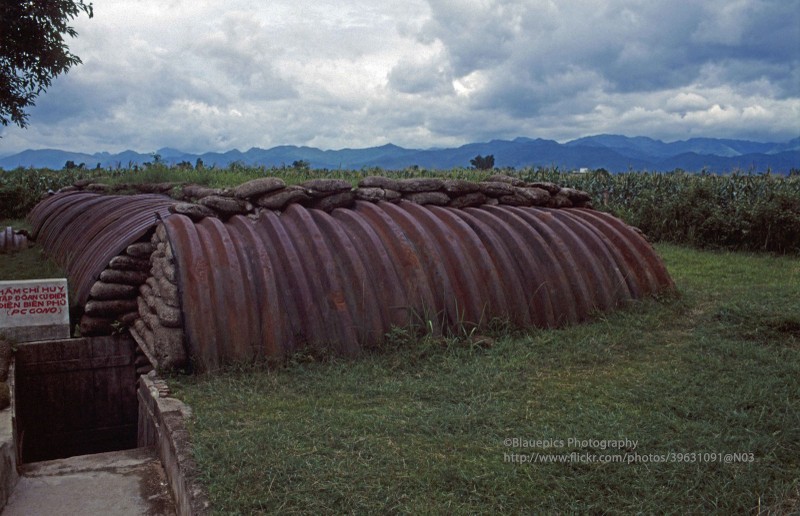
{"type": "Point", "coordinates": [737, 211]}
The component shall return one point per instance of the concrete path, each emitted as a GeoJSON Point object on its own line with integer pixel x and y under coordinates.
{"type": "Point", "coordinates": [128, 482]}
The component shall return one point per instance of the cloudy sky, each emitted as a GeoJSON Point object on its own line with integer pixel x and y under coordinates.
{"type": "Point", "coordinates": [203, 75]}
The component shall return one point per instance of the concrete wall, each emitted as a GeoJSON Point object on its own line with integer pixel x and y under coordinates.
{"type": "Point", "coordinates": [8, 458]}
{"type": "Point", "coordinates": [8, 448]}
{"type": "Point", "coordinates": [162, 423]}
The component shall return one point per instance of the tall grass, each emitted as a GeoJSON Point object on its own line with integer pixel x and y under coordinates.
{"type": "Point", "coordinates": [736, 211]}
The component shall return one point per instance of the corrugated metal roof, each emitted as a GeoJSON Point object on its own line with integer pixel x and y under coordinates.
{"type": "Point", "coordinates": [83, 231]}
{"type": "Point", "coordinates": [254, 289]}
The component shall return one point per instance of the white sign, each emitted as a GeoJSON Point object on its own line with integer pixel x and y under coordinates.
{"type": "Point", "coordinates": [34, 310]}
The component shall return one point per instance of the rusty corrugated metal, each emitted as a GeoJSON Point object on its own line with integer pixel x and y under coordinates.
{"type": "Point", "coordinates": [11, 240]}
{"type": "Point", "coordinates": [83, 231]}
{"type": "Point", "coordinates": [254, 289]}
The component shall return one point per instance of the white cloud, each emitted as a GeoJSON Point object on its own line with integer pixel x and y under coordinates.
{"type": "Point", "coordinates": [202, 75]}
{"type": "Point", "coordinates": [725, 23]}
{"type": "Point", "coordinates": [686, 101]}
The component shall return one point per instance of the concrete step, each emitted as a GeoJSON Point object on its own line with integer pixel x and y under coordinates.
{"type": "Point", "coordinates": [128, 482]}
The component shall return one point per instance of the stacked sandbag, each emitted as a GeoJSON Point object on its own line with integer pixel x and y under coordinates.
{"type": "Point", "coordinates": [271, 193]}
{"type": "Point", "coordinates": [90, 185]}
{"type": "Point", "coordinates": [158, 328]}
{"type": "Point", "coordinates": [200, 202]}
{"type": "Point", "coordinates": [459, 193]}
{"type": "Point", "coordinates": [329, 194]}
{"type": "Point", "coordinates": [112, 299]}
{"type": "Point", "coordinates": [268, 193]}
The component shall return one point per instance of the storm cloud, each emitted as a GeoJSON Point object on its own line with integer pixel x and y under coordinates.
{"type": "Point", "coordinates": [203, 75]}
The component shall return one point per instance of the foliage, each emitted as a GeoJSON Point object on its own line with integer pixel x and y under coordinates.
{"type": "Point", "coordinates": [736, 211]}
{"type": "Point", "coordinates": [420, 429]}
{"type": "Point", "coordinates": [32, 51]}
{"type": "Point", "coordinates": [21, 189]}
{"type": "Point", "coordinates": [69, 165]}
{"type": "Point", "coordinates": [301, 164]}
{"type": "Point", "coordinates": [483, 163]}
{"type": "Point", "coordinates": [740, 211]}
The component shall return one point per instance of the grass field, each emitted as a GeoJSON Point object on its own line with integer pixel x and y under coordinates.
{"type": "Point", "coordinates": [423, 428]}
{"type": "Point", "coordinates": [31, 263]}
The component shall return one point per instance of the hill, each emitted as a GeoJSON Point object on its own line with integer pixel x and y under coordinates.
{"type": "Point", "coordinates": [614, 153]}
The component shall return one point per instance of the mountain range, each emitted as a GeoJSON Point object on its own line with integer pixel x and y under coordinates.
{"type": "Point", "coordinates": [614, 153]}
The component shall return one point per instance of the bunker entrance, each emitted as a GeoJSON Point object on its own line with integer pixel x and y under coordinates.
{"type": "Point", "coordinates": [75, 397]}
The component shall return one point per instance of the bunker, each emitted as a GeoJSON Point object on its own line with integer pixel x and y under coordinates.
{"type": "Point", "coordinates": [210, 277]}
{"type": "Point", "coordinates": [204, 277]}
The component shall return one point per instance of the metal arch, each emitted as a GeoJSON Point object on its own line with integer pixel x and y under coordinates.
{"type": "Point", "coordinates": [193, 283]}
{"type": "Point", "coordinates": [271, 337]}
{"type": "Point", "coordinates": [304, 278]}
{"type": "Point", "coordinates": [380, 270]}
{"type": "Point", "coordinates": [340, 280]}
{"type": "Point", "coordinates": [541, 263]}
{"type": "Point", "coordinates": [83, 231]}
{"type": "Point", "coordinates": [644, 268]}
{"type": "Point", "coordinates": [411, 276]}
{"type": "Point", "coordinates": [512, 282]}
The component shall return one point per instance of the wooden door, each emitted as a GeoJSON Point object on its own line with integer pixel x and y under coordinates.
{"type": "Point", "coordinates": [75, 397]}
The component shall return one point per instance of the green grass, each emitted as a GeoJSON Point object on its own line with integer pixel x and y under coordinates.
{"type": "Point", "coordinates": [27, 264]}
{"type": "Point", "coordinates": [420, 428]}
{"type": "Point", "coordinates": [30, 263]}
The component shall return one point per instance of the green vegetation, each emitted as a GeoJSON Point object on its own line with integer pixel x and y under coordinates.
{"type": "Point", "coordinates": [737, 211]}
{"type": "Point", "coordinates": [29, 263]}
{"type": "Point", "coordinates": [21, 189]}
{"type": "Point", "coordinates": [421, 428]}
{"type": "Point", "coordinates": [482, 163]}
{"type": "Point", "coordinates": [33, 52]}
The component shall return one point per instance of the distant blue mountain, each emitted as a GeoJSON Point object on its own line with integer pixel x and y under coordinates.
{"type": "Point", "coordinates": [43, 158]}
{"type": "Point", "coordinates": [614, 153]}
